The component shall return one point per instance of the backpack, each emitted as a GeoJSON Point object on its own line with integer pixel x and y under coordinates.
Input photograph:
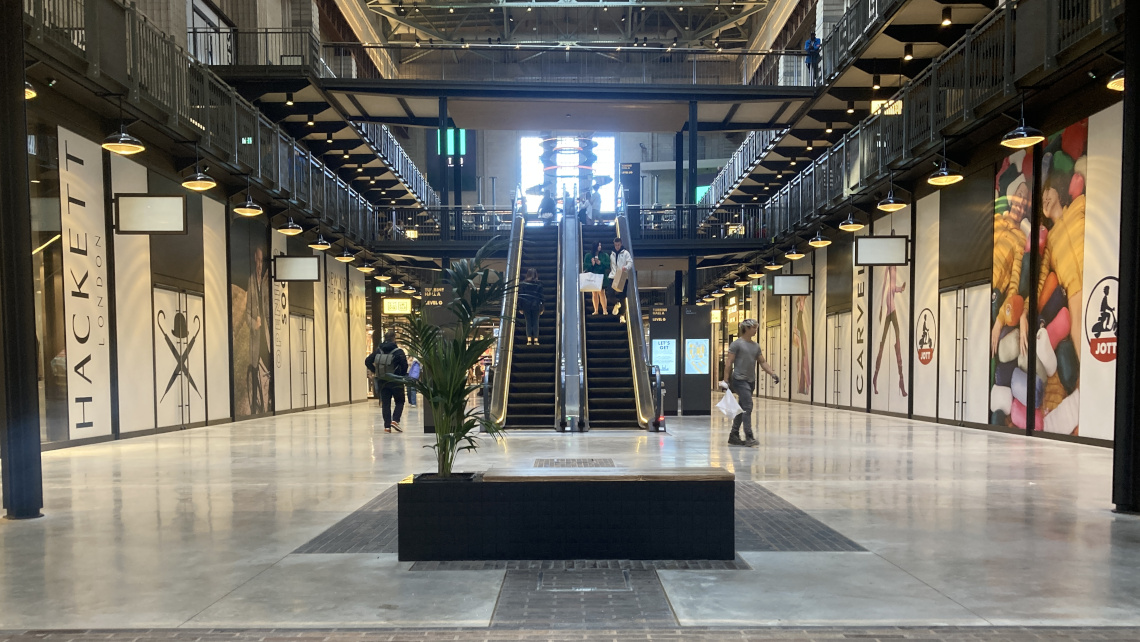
{"type": "Point", "coordinates": [384, 363]}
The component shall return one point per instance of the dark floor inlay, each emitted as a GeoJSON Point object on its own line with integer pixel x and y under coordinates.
{"type": "Point", "coordinates": [737, 564]}
{"type": "Point", "coordinates": [573, 463]}
{"type": "Point", "coordinates": [764, 522]}
{"type": "Point", "coordinates": [767, 522]}
{"type": "Point", "coordinates": [588, 599]}
{"type": "Point", "coordinates": [371, 529]}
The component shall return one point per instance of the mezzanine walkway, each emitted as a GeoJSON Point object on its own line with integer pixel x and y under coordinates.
{"type": "Point", "coordinates": [205, 528]}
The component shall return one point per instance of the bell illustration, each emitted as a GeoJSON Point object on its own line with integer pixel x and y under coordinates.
{"type": "Point", "coordinates": [180, 330]}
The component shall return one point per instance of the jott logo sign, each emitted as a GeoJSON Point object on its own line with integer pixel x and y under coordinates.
{"type": "Point", "coordinates": [926, 329]}
{"type": "Point", "coordinates": [1100, 319]}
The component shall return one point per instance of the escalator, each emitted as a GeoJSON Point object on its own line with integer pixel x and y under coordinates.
{"type": "Point", "coordinates": [530, 402]}
{"type": "Point", "coordinates": [611, 397]}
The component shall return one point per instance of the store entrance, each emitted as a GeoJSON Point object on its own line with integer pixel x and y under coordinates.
{"type": "Point", "coordinates": [963, 355]}
{"type": "Point", "coordinates": [838, 355]}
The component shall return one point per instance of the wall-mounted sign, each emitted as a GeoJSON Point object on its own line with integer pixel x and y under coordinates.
{"type": "Point", "coordinates": [927, 330]}
{"type": "Point", "coordinates": [148, 214]}
{"type": "Point", "coordinates": [296, 268]}
{"type": "Point", "coordinates": [881, 250]}
{"type": "Point", "coordinates": [1100, 319]}
{"type": "Point", "coordinates": [791, 285]}
{"type": "Point", "coordinates": [715, 316]}
{"type": "Point", "coordinates": [397, 306]}
{"type": "Point", "coordinates": [664, 355]}
{"type": "Point", "coordinates": [697, 356]}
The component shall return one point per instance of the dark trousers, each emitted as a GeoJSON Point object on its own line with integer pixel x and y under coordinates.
{"type": "Point", "coordinates": [389, 393]}
{"type": "Point", "coordinates": [531, 316]}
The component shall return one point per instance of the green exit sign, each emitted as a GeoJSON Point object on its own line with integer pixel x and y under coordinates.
{"type": "Point", "coordinates": [247, 140]}
{"type": "Point", "coordinates": [757, 288]}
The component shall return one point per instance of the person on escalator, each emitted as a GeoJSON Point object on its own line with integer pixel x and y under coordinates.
{"type": "Point", "coordinates": [621, 268]}
{"type": "Point", "coordinates": [530, 303]}
{"type": "Point", "coordinates": [598, 262]}
{"type": "Point", "coordinates": [740, 378]}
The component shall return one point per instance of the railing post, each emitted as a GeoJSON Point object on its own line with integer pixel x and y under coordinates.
{"type": "Point", "coordinates": [967, 77]}
{"type": "Point", "coordinates": [1008, 51]}
{"type": "Point", "coordinates": [1052, 20]}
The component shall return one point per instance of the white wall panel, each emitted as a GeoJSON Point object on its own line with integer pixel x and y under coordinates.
{"type": "Point", "coordinates": [358, 334]}
{"type": "Point", "coordinates": [218, 368]}
{"type": "Point", "coordinates": [926, 322]}
{"type": "Point", "coordinates": [320, 337]}
{"type": "Point", "coordinates": [1102, 260]}
{"type": "Point", "coordinates": [890, 335]}
{"type": "Point", "coordinates": [819, 328]}
{"type": "Point", "coordinates": [134, 347]}
{"type": "Point", "coordinates": [87, 338]}
{"type": "Point", "coordinates": [282, 394]}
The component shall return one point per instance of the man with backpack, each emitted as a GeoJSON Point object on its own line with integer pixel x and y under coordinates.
{"type": "Point", "coordinates": [388, 359]}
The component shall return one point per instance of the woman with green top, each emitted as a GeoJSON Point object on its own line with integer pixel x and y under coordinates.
{"type": "Point", "coordinates": [598, 262]}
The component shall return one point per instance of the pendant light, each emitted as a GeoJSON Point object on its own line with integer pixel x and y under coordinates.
{"type": "Point", "coordinates": [947, 16]}
{"type": "Point", "coordinates": [1023, 135]}
{"type": "Point", "coordinates": [772, 265]}
{"type": "Point", "coordinates": [120, 142]}
{"type": "Point", "coordinates": [409, 290]}
{"type": "Point", "coordinates": [384, 277]}
{"type": "Point", "coordinates": [944, 176]}
{"type": "Point", "coordinates": [702, 303]}
{"type": "Point", "coordinates": [290, 228]}
{"type": "Point", "coordinates": [248, 208]}
{"type": "Point", "coordinates": [320, 243]}
{"type": "Point", "coordinates": [346, 256]}
{"type": "Point", "coordinates": [367, 269]}
{"type": "Point", "coordinates": [728, 287]}
{"type": "Point", "coordinates": [716, 295]}
{"type": "Point", "coordinates": [396, 284]}
{"type": "Point", "coordinates": [199, 181]}
{"type": "Point", "coordinates": [741, 282]}
{"type": "Point", "coordinates": [755, 275]}
{"type": "Point", "coordinates": [908, 52]}
{"type": "Point", "coordinates": [793, 254]}
{"type": "Point", "coordinates": [819, 240]}
{"type": "Point", "coordinates": [29, 91]}
{"type": "Point", "coordinates": [890, 203]}
{"type": "Point", "coordinates": [1116, 83]}
{"type": "Point", "coordinates": [850, 224]}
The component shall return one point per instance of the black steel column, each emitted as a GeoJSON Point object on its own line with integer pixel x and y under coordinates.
{"type": "Point", "coordinates": [691, 192]}
{"type": "Point", "coordinates": [19, 396]}
{"type": "Point", "coordinates": [457, 176]}
{"type": "Point", "coordinates": [441, 145]}
{"type": "Point", "coordinates": [678, 168]}
{"type": "Point", "coordinates": [692, 279]}
{"type": "Point", "coordinates": [678, 288]}
{"type": "Point", "coordinates": [1126, 453]}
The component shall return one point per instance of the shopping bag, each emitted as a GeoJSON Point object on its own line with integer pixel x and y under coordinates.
{"type": "Point", "coordinates": [619, 282]}
{"type": "Point", "coordinates": [589, 282]}
{"type": "Point", "coordinates": [728, 405]}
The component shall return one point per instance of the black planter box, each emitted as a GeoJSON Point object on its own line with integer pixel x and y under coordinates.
{"type": "Point", "coordinates": [682, 514]}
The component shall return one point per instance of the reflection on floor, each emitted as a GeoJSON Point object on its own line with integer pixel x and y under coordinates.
{"type": "Point", "coordinates": [205, 528]}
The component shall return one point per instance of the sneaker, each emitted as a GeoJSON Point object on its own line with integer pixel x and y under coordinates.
{"type": "Point", "coordinates": [396, 427]}
{"type": "Point", "coordinates": [734, 440]}
{"type": "Point", "coordinates": [750, 442]}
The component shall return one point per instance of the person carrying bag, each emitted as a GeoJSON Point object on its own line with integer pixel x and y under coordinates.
{"type": "Point", "coordinates": [621, 266]}
{"type": "Point", "coordinates": [740, 377]}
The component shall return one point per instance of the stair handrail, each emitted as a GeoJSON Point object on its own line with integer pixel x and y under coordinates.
{"type": "Point", "coordinates": [504, 348]}
{"type": "Point", "coordinates": [569, 388]}
{"type": "Point", "coordinates": [638, 352]}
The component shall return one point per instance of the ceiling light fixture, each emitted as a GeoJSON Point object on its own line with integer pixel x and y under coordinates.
{"type": "Point", "coordinates": [121, 142]}
{"type": "Point", "coordinates": [908, 52]}
{"type": "Point", "coordinates": [384, 277]}
{"type": "Point", "coordinates": [249, 208]}
{"type": "Point", "coordinates": [876, 82]}
{"type": "Point", "coordinates": [1116, 83]}
{"type": "Point", "coordinates": [729, 288]}
{"type": "Point", "coordinates": [1023, 135]}
{"type": "Point", "coordinates": [289, 99]}
{"type": "Point", "coordinates": [810, 146]}
{"type": "Point", "coordinates": [396, 284]}
{"type": "Point", "coordinates": [320, 243]}
{"type": "Point", "coordinates": [29, 91]}
{"type": "Point", "coordinates": [741, 282]}
{"type": "Point", "coordinates": [947, 16]}
{"type": "Point", "coordinates": [716, 295]}
{"type": "Point", "coordinates": [819, 240]}
{"type": "Point", "coordinates": [290, 228]}
{"type": "Point", "coordinates": [850, 224]}
{"type": "Point", "coordinates": [367, 269]}
{"type": "Point", "coordinates": [850, 106]}
{"type": "Point", "coordinates": [890, 203]}
{"type": "Point", "coordinates": [346, 256]}
{"type": "Point", "coordinates": [944, 176]}
{"type": "Point", "coordinates": [755, 275]}
{"type": "Point", "coordinates": [828, 129]}
{"type": "Point", "coordinates": [793, 254]}
{"type": "Point", "coordinates": [772, 265]}
{"type": "Point", "coordinates": [198, 181]}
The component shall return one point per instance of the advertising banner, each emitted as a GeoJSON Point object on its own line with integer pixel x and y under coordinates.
{"type": "Point", "coordinates": [84, 225]}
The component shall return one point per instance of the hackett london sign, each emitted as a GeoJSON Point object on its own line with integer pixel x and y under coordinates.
{"type": "Point", "coordinates": [84, 226]}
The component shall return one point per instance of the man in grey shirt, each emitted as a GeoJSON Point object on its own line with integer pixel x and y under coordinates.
{"type": "Point", "coordinates": [740, 378]}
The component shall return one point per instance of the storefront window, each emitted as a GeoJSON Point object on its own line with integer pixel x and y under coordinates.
{"type": "Point", "coordinates": [47, 269]}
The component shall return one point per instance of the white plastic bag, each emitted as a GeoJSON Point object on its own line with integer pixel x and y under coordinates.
{"type": "Point", "coordinates": [589, 282]}
{"type": "Point", "coordinates": [729, 406]}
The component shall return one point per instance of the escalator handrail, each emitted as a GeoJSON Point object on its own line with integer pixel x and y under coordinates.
{"type": "Point", "coordinates": [505, 346]}
{"type": "Point", "coordinates": [639, 355]}
{"type": "Point", "coordinates": [583, 381]}
{"type": "Point", "coordinates": [571, 373]}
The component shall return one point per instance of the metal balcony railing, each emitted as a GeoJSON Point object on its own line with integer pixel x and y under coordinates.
{"type": "Point", "coordinates": [193, 103]}
{"type": "Point", "coordinates": [742, 162]}
{"type": "Point", "coordinates": [961, 86]}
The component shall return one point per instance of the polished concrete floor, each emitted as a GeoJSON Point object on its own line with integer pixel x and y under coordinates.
{"type": "Point", "coordinates": [197, 528]}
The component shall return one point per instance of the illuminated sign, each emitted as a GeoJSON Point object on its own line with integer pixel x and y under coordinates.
{"type": "Point", "coordinates": [716, 316]}
{"type": "Point", "coordinates": [397, 306]}
{"type": "Point", "coordinates": [665, 355]}
{"type": "Point", "coordinates": [697, 356]}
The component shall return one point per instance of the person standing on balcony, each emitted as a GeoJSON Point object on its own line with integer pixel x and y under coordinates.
{"type": "Point", "coordinates": [812, 46]}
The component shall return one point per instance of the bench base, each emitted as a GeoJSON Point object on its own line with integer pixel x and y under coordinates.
{"type": "Point", "coordinates": [565, 518]}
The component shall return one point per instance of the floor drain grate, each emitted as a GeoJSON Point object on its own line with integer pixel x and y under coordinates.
{"type": "Point", "coordinates": [585, 582]}
{"type": "Point", "coordinates": [573, 463]}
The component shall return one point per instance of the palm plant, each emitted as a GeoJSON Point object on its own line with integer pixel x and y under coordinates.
{"type": "Point", "coordinates": [449, 352]}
